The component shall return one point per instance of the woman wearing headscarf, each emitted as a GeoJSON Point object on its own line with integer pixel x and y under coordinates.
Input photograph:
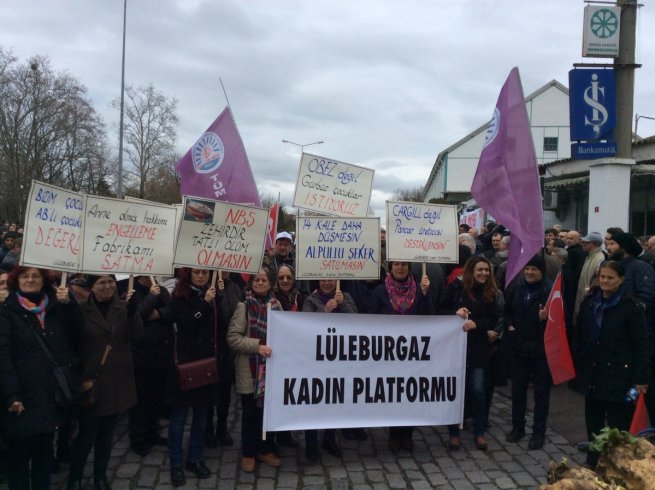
{"type": "Point", "coordinates": [111, 325]}
{"type": "Point", "coordinates": [195, 313]}
{"type": "Point", "coordinates": [474, 297]}
{"type": "Point", "coordinates": [400, 295]}
{"type": "Point", "coordinates": [326, 299]}
{"type": "Point", "coordinates": [247, 337]}
{"type": "Point", "coordinates": [33, 310]}
{"type": "Point", "coordinates": [610, 350]}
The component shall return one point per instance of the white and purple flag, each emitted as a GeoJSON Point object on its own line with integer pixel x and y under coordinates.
{"type": "Point", "coordinates": [216, 166]}
{"type": "Point", "coordinates": [506, 182]}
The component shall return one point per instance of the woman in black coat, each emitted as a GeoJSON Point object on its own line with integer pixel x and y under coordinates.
{"type": "Point", "coordinates": [474, 297]}
{"type": "Point", "coordinates": [29, 416]}
{"type": "Point", "coordinates": [610, 350]}
{"type": "Point", "coordinates": [194, 308]}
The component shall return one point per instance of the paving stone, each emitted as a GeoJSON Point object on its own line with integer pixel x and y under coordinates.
{"type": "Point", "coordinates": [375, 476]}
{"type": "Point", "coordinates": [396, 481]}
{"type": "Point", "coordinates": [524, 479]}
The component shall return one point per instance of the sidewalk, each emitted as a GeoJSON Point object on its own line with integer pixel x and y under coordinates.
{"type": "Point", "coordinates": [368, 464]}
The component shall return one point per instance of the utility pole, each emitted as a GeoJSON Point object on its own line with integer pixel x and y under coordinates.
{"type": "Point", "coordinates": [625, 78]}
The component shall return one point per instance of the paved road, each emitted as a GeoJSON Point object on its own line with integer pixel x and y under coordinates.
{"type": "Point", "coordinates": [370, 464]}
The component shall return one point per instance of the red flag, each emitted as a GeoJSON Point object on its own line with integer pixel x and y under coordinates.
{"type": "Point", "coordinates": [271, 227]}
{"type": "Point", "coordinates": [640, 420]}
{"type": "Point", "coordinates": [555, 341]}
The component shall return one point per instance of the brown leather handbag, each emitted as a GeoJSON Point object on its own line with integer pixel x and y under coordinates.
{"type": "Point", "coordinates": [198, 373]}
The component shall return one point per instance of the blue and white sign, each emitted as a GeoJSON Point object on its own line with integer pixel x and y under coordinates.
{"type": "Point", "coordinates": [592, 104]}
{"type": "Point", "coordinates": [591, 151]}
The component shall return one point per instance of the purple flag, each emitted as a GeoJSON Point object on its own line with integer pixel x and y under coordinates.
{"type": "Point", "coordinates": [506, 182]}
{"type": "Point", "coordinates": [217, 167]}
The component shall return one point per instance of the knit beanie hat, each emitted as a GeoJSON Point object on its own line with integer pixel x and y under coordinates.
{"type": "Point", "coordinates": [538, 262]}
{"type": "Point", "coordinates": [628, 243]}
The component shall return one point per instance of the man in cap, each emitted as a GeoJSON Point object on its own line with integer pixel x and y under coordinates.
{"type": "Point", "coordinates": [282, 254]}
{"type": "Point", "coordinates": [591, 245]}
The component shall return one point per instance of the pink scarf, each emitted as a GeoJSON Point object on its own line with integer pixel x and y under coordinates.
{"type": "Point", "coordinates": [38, 310]}
{"type": "Point", "coordinates": [401, 294]}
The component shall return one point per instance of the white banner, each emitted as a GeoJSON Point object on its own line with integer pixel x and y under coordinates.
{"type": "Point", "coordinates": [221, 235]}
{"type": "Point", "coordinates": [337, 248]}
{"type": "Point", "coordinates": [347, 370]}
{"type": "Point", "coordinates": [475, 218]}
{"type": "Point", "coordinates": [128, 237]}
{"type": "Point", "coordinates": [53, 228]}
{"type": "Point", "coordinates": [419, 232]}
{"type": "Point", "coordinates": [331, 187]}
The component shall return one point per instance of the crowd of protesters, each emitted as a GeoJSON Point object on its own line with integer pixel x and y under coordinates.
{"type": "Point", "coordinates": [118, 350]}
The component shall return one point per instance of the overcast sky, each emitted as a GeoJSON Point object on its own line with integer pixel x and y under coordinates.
{"type": "Point", "coordinates": [386, 84]}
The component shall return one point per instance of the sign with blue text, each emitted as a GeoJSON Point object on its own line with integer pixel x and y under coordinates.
{"type": "Point", "coordinates": [420, 232]}
{"type": "Point", "coordinates": [592, 104]}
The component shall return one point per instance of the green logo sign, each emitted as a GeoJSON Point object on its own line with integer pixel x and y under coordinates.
{"type": "Point", "coordinates": [604, 23]}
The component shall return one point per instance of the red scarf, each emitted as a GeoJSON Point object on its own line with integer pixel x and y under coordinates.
{"type": "Point", "coordinates": [401, 294]}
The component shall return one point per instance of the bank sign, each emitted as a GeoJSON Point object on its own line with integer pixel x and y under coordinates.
{"type": "Point", "coordinates": [600, 38]}
{"type": "Point", "coordinates": [592, 104]}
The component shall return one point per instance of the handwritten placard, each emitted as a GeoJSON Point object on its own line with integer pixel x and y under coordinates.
{"type": "Point", "coordinates": [337, 248]}
{"type": "Point", "coordinates": [53, 228]}
{"type": "Point", "coordinates": [128, 237]}
{"type": "Point", "coordinates": [331, 187]}
{"type": "Point", "coordinates": [221, 235]}
{"type": "Point", "coordinates": [419, 232]}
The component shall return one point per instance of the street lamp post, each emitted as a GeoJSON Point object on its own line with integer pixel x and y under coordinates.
{"type": "Point", "coordinates": [637, 117]}
{"type": "Point", "coordinates": [302, 147]}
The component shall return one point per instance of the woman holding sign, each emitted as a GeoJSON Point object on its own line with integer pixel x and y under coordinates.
{"type": "Point", "coordinates": [247, 337]}
{"type": "Point", "coordinates": [474, 297]}
{"type": "Point", "coordinates": [326, 299]}
{"type": "Point", "coordinates": [400, 295]}
{"type": "Point", "coordinates": [38, 327]}
{"type": "Point", "coordinates": [194, 310]}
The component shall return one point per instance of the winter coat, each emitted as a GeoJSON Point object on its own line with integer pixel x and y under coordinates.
{"type": "Point", "coordinates": [313, 303]}
{"type": "Point", "coordinates": [380, 303]}
{"type": "Point", "coordinates": [619, 359]}
{"type": "Point", "coordinates": [527, 338]}
{"type": "Point", "coordinates": [244, 346]}
{"type": "Point", "coordinates": [155, 349]}
{"type": "Point", "coordinates": [228, 301]}
{"type": "Point", "coordinates": [116, 388]}
{"type": "Point", "coordinates": [25, 369]}
{"type": "Point", "coordinates": [485, 316]}
{"type": "Point", "coordinates": [195, 319]}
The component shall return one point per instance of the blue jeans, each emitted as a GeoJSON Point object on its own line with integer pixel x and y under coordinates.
{"type": "Point", "coordinates": [476, 395]}
{"type": "Point", "coordinates": [176, 434]}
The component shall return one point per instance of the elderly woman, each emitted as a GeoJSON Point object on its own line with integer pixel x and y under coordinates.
{"type": "Point", "coordinates": [610, 349]}
{"type": "Point", "coordinates": [326, 299]}
{"type": "Point", "coordinates": [247, 337]}
{"type": "Point", "coordinates": [475, 298]}
{"type": "Point", "coordinates": [195, 314]}
{"type": "Point", "coordinates": [400, 295]}
{"type": "Point", "coordinates": [111, 326]}
{"type": "Point", "coordinates": [34, 317]}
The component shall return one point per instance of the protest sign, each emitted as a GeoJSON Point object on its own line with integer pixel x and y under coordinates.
{"type": "Point", "coordinates": [419, 232]}
{"type": "Point", "coordinates": [337, 248]}
{"type": "Point", "coordinates": [331, 187]}
{"type": "Point", "coordinates": [475, 218]}
{"type": "Point", "coordinates": [221, 235]}
{"type": "Point", "coordinates": [129, 237]}
{"type": "Point", "coordinates": [53, 228]}
{"type": "Point", "coordinates": [347, 370]}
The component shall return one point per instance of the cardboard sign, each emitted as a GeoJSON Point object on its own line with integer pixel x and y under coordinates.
{"type": "Point", "coordinates": [337, 248]}
{"type": "Point", "coordinates": [129, 237]}
{"type": "Point", "coordinates": [419, 232]}
{"type": "Point", "coordinates": [331, 187]}
{"type": "Point", "coordinates": [53, 228]}
{"type": "Point", "coordinates": [221, 235]}
{"type": "Point", "coordinates": [363, 370]}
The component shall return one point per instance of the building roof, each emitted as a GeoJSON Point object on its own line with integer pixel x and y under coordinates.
{"type": "Point", "coordinates": [440, 157]}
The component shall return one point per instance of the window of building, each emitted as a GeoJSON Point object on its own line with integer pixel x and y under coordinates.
{"type": "Point", "coordinates": [550, 143]}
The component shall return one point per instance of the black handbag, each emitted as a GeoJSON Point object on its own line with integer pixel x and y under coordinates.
{"type": "Point", "coordinates": [65, 382]}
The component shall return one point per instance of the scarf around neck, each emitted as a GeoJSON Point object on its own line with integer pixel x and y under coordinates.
{"type": "Point", "coordinates": [401, 294]}
{"type": "Point", "coordinates": [600, 305]}
{"type": "Point", "coordinates": [33, 307]}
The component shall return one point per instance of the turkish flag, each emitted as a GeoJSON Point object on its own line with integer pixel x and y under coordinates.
{"type": "Point", "coordinates": [640, 419]}
{"type": "Point", "coordinates": [271, 226]}
{"type": "Point", "coordinates": [555, 340]}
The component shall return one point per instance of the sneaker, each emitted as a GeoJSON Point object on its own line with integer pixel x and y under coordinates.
{"type": "Point", "coordinates": [270, 459]}
{"type": "Point", "coordinates": [248, 464]}
{"type": "Point", "coordinates": [516, 435]}
{"type": "Point", "coordinates": [536, 441]}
